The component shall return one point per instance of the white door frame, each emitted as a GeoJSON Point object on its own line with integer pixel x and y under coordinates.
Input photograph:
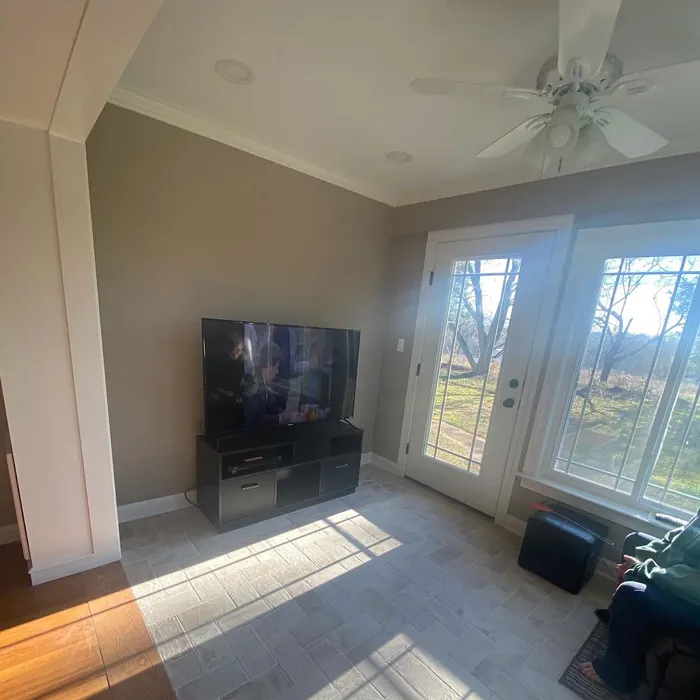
{"type": "Point", "coordinates": [563, 228]}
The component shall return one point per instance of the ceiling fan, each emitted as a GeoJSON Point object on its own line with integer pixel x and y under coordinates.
{"type": "Point", "coordinates": [572, 82]}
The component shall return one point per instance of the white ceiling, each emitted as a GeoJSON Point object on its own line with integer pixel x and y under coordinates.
{"type": "Point", "coordinates": [36, 39]}
{"type": "Point", "coordinates": [331, 94]}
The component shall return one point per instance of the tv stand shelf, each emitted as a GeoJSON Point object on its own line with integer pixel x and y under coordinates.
{"type": "Point", "coordinates": [247, 477]}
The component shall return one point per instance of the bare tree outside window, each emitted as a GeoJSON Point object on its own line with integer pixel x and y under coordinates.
{"type": "Point", "coordinates": [616, 315]}
{"type": "Point", "coordinates": [641, 311]}
{"type": "Point", "coordinates": [479, 329]}
{"type": "Point", "coordinates": [481, 298]}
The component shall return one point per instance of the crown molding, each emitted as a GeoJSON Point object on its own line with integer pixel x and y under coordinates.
{"type": "Point", "coordinates": [519, 175]}
{"type": "Point", "coordinates": [460, 187]}
{"type": "Point", "coordinates": [197, 124]}
{"type": "Point", "coordinates": [176, 116]}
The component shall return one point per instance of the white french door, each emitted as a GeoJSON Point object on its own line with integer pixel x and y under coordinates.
{"type": "Point", "coordinates": [482, 317]}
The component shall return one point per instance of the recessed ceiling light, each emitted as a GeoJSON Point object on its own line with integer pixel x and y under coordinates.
{"type": "Point", "coordinates": [399, 157]}
{"type": "Point", "coordinates": [234, 71]}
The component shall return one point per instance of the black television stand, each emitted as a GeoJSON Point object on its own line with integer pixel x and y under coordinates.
{"type": "Point", "coordinates": [246, 477]}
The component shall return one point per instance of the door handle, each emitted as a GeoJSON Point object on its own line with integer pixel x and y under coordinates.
{"type": "Point", "coordinates": [342, 466]}
{"type": "Point", "coordinates": [248, 487]}
{"type": "Point", "coordinates": [509, 403]}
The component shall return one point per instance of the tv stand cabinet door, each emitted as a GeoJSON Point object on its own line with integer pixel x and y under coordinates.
{"type": "Point", "coordinates": [247, 495]}
{"type": "Point", "coordinates": [341, 472]}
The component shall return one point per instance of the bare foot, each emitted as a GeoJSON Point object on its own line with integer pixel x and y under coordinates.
{"type": "Point", "coordinates": [590, 673]}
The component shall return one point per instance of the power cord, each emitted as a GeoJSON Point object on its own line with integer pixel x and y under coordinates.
{"type": "Point", "coordinates": [609, 567]}
{"type": "Point", "coordinates": [196, 505]}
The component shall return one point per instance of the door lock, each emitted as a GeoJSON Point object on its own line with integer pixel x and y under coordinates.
{"type": "Point", "coordinates": [509, 403]}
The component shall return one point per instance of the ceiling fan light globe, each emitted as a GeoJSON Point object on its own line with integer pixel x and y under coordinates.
{"type": "Point", "coordinates": [560, 135]}
{"type": "Point", "coordinates": [590, 148]}
{"type": "Point", "coordinates": [535, 154]}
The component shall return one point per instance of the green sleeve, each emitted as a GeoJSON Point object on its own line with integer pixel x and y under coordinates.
{"type": "Point", "coordinates": [680, 579]}
{"type": "Point", "coordinates": [657, 546]}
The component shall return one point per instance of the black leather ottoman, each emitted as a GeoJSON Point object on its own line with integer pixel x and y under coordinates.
{"type": "Point", "coordinates": [561, 551]}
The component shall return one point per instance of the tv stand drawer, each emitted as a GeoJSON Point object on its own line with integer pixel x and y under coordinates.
{"type": "Point", "coordinates": [247, 495]}
{"type": "Point", "coordinates": [247, 477]}
{"type": "Point", "coordinates": [340, 472]}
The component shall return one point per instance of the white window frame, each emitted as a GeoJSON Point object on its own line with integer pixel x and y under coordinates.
{"type": "Point", "coordinates": [591, 248]}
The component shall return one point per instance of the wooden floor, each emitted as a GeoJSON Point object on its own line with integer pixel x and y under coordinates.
{"type": "Point", "coordinates": [79, 637]}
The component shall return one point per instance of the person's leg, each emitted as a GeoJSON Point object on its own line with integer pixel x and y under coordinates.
{"type": "Point", "coordinates": [629, 634]}
{"type": "Point", "coordinates": [632, 541]}
{"type": "Point", "coordinates": [671, 612]}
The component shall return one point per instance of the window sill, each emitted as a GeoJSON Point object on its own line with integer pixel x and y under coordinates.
{"type": "Point", "coordinates": [636, 520]}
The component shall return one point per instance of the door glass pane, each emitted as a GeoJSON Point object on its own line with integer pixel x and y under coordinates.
{"type": "Point", "coordinates": [675, 479]}
{"type": "Point", "coordinates": [641, 312]}
{"type": "Point", "coordinates": [474, 336]}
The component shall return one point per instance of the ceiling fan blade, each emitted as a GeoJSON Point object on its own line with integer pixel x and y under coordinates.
{"type": "Point", "coordinates": [633, 84]}
{"type": "Point", "coordinates": [440, 86]}
{"type": "Point", "coordinates": [627, 135]}
{"type": "Point", "coordinates": [514, 138]}
{"type": "Point", "coordinates": [585, 30]}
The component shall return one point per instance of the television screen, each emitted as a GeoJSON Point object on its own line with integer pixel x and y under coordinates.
{"type": "Point", "coordinates": [260, 374]}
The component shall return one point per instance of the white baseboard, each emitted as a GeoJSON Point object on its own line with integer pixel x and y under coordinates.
{"type": "Point", "coordinates": [515, 525]}
{"type": "Point", "coordinates": [385, 464]}
{"type": "Point", "coordinates": [366, 458]}
{"type": "Point", "coordinates": [155, 506]}
{"type": "Point", "coordinates": [9, 533]}
{"type": "Point", "coordinates": [75, 566]}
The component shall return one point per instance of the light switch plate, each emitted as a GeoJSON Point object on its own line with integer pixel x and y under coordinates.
{"type": "Point", "coordinates": [399, 346]}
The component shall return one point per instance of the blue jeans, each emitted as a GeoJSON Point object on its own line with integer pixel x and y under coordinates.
{"type": "Point", "coordinates": [637, 612]}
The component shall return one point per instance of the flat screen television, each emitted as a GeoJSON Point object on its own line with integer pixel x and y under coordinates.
{"type": "Point", "coordinates": [259, 375]}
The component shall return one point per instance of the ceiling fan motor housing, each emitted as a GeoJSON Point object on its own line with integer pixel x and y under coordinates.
{"type": "Point", "coordinates": [553, 85]}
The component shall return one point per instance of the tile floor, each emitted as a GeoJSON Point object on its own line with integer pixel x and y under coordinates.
{"type": "Point", "coordinates": [392, 592]}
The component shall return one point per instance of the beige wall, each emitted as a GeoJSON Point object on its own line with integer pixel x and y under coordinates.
{"type": "Point", "coordinates": [186, 227]}
{"type": "Point", "coordinates": [35, 357]}
{"type": "Point", "coordinates": [7, 507]}
{"type": "Point", "coordinates": [405, 267]}
{"type": "Point", "coordinates": [655, 190]}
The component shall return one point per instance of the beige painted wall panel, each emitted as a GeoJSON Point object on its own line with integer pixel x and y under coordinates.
{"type": "Point", "coordinates": [186, 227]}
{"type": "Point", "coordinates": [72, 206]}
{"type": "Point", "coordinates": [7, 507]}
{"type": "Point", "coordinates": [35, 363]}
